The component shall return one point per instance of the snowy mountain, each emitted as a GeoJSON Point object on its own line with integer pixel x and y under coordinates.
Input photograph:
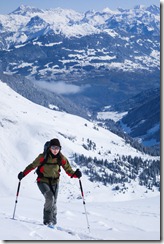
{"type": "Point", "coordinates": [138, 116]}
{"type": "Point", "coordinates": [147, 118]}
{"type": "Point", "coordinates": [81, 62]}
{"type": "Point", "coordinates": [110, 50]}
{"type": "Point", "coordinates": [82, 137]}
{"type": "Point", "coordinates": [41, 96]}
{"type": "Point", "coordinates": [25, 127]}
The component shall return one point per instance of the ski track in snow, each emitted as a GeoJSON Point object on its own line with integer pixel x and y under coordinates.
{"type": "Point", "coordinates": [130, 220]}
{"type": "Point", "coordinates": [35, 229]}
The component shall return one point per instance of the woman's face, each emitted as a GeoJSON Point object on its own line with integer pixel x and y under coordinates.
{"type": "Point", "coordinates": [54, 149]}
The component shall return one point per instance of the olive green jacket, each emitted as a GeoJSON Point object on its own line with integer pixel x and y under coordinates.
{"type": "Point", "coordinates": [51, 169]}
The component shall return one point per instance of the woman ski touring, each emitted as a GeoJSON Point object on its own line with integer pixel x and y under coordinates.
{"type": "Point", "coordinates": [48, 166]}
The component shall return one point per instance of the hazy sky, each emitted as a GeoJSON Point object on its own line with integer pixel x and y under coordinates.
{"type": "Point", "coordinates": [7, 6]}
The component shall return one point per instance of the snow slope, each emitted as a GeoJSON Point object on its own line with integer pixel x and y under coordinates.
{"type": "Point", "coordinates": [129, 220]}
{"type": "Point", "coordinates": [24, 128]}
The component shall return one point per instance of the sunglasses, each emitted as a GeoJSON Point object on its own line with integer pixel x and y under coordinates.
{"type": "Point", "coordinates": [55, 148]}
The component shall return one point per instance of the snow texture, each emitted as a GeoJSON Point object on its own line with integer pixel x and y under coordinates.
{"type": "Point", "coordinates": [24, 128]}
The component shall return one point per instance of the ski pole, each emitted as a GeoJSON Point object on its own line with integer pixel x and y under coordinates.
{"type": "Point", "coordinates": [16, 200]}
{"type": "Point", "coordinates": [82, 193]}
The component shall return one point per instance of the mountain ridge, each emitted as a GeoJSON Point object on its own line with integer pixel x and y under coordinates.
{"type": "Point", "coordinates": [99, 152]}
{"type": "Point", "coordinates": [83, 60]}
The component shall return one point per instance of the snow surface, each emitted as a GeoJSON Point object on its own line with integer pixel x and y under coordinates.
{"type": "Point", "coordinates": [115, 116]}
{"type": "Point", "coordinates": [24, 128]}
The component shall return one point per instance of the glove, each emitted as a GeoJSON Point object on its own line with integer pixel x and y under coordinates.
{"type": "Point", "coordinates": [20, 176]}
{"type": "Point", "coordinates": [78, 173]}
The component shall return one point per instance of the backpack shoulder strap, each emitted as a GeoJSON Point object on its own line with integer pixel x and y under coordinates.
{"type": "Point", "coordinates": [43, 161]}
{"type": "Point", "coordinates": [59, 159]}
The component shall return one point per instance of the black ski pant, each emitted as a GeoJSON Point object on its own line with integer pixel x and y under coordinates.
{"type": "Point", "coordinates": [50, 208]}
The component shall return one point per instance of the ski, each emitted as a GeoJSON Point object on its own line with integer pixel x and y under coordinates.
{"type": "Point", "coordinates": [66, 230]}
{"type": "Point", "coordinates": [53, 227]}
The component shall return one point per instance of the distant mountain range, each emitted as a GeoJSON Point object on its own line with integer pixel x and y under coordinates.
{"type": "Point", "coordinates": [82, 62]}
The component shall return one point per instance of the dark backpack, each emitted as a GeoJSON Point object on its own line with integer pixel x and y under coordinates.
{"type": "Point", "coordinates": [45, 153]}
{"type": "Point", "coordinates": [46, 148]}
